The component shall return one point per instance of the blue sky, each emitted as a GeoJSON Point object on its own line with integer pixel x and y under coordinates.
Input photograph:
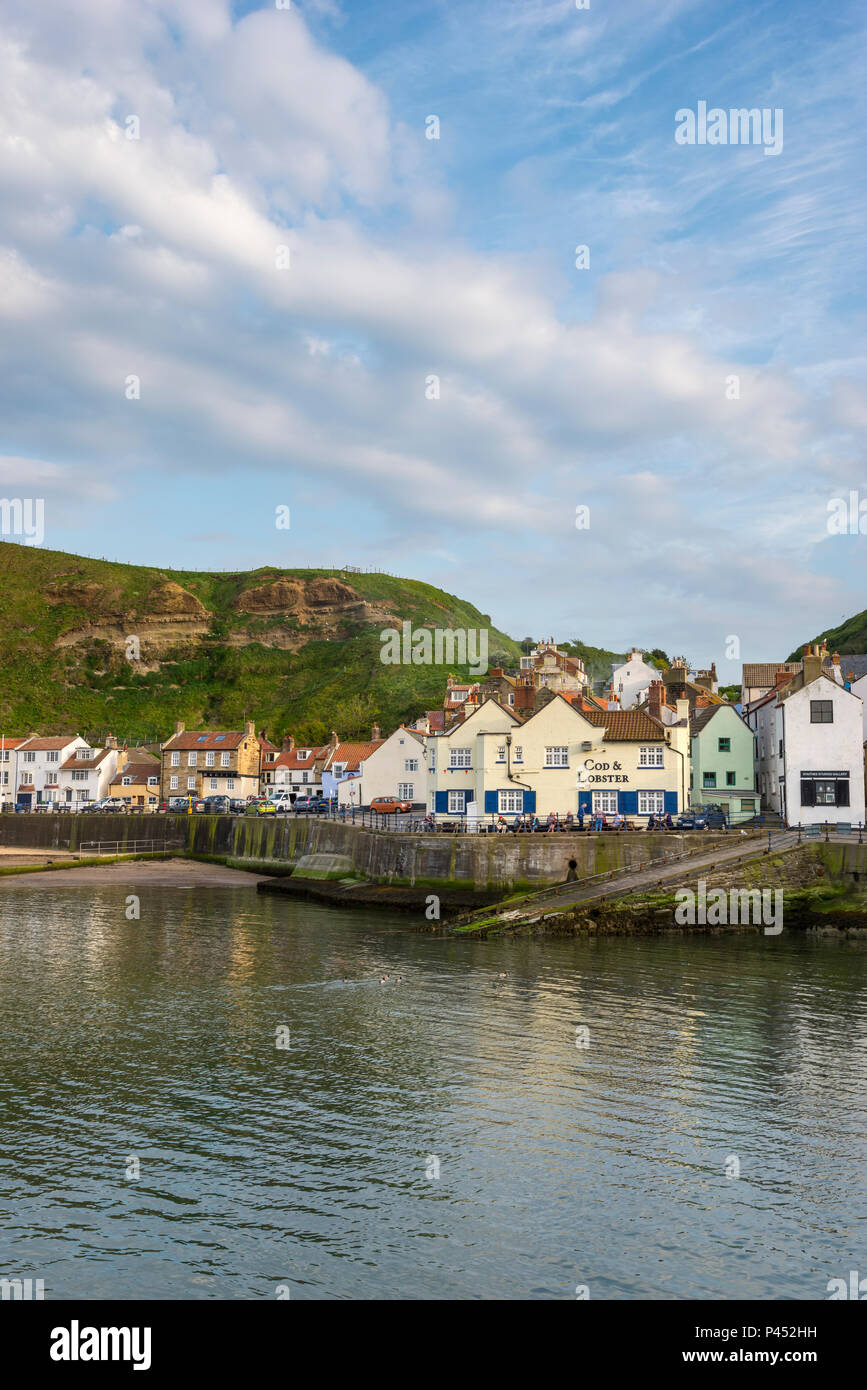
{"type": "Point", "coordinates": [410, 258]}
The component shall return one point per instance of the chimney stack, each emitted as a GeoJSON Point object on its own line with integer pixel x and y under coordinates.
{"type": "Point", "coordinates": [288, 743]}
{"type": "Point", "coordinates": [179, 726]}
{"type": "Point", "coordinates": [682, 708]}
{"type": "Point", "coordinates": [655, 700]}
{"type": "Point", "coordinates": [812, 664]}
{"type": "Point", "coordinates": [375, 734]}
{"type": "Point", "coordinates": [249, 728]}
{"type": "Point", "coordinates": [334, 739]}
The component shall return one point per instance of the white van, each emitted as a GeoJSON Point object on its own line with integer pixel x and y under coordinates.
{"type": "Point", "coordinates": [281, 798]}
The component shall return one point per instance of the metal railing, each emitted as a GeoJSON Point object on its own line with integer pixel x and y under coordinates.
{"type": "Point", "coordinates": [90, 849]}
{"type": "Point", "coordinates": [456, 823]}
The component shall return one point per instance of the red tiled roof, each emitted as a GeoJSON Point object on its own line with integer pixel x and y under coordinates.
{"type": "Point", "coordinates": [138, 771]}
{"type": "Point", "coordinates": [204, 738]}
{"type": "Point", "coordinates": [9, 743]}
{"type": "Point", "coordinates": [625, 725]}
{"type": "Point", "coordinates": [764, 673]}
{"type": "Point", "coordinates": [49, 745]}
{"type": "Point", "coordinates": [295, 762]}
{"type": "Point", "coordinates": [351, 754]}
{"type": "Point", "coordinates": [74, 761]}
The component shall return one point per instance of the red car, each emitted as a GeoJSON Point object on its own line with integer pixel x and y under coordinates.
{"type": "Point", "coordinates": [387, 805]}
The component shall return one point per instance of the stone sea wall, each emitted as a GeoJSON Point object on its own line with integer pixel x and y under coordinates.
{"type": "Point", "coordinates": [480, 862]}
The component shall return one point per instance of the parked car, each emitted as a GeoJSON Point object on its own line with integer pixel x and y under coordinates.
{"type": "Point", "coordinates": [217, 805]}
{"type": "Point", "coordinates": [702, 818]}
{"type": "Point", "coordinates": [260, 806]}
{"type": "Point", "coordinates": [238, 804]}
{"type": "Point", "coordinates": [389, 805]}
{"type": "Point", "coordinates": [311, 805]}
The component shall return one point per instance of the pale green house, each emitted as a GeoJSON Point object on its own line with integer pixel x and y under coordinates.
{"type": "Point", "coordinates": [722, 762]}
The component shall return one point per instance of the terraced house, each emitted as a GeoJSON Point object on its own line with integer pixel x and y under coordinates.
{"type": "Point", "coordinates": [723, 769]}
{"type": "Point", "coordinates": [86, 774]}
{"type": "Point", "coordinates": [39, 764]}
{"type": "Point", "coordinates": [211, 762]}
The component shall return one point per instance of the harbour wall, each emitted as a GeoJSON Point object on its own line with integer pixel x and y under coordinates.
{"type": "Point", "coordinates": [480, 862]}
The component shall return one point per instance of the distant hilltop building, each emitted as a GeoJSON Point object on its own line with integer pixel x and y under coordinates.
{"type": "Point", "coordinates": [631, 679]}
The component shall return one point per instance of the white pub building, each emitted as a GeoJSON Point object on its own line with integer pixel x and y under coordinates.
{"type": "Point", "coordinates": [808, 747]}
{"type": "Point", "coordinates": [561, 759]}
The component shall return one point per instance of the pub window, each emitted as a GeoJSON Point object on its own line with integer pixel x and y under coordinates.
{"type": "Point", "coordinates": [650, 757]}
{"type": "Point", "coordinates": [510, 801]}
{"type": "Point", "coordinates": [605, 803]}
{"type": "Point", "coordinates": [821, 712]}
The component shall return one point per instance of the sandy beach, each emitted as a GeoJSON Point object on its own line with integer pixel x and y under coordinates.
{"type": "Point", "coordinates": [161, 873]}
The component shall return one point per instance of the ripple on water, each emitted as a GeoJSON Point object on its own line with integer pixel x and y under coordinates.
{"type": "Point", "coordinates": [314, 1165]}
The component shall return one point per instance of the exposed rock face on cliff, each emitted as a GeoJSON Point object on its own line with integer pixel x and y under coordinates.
{"type": "Point", "coordinates": [322, 607]}
{"type": "Point", "coordinates": [97, 645]}
{"type": "Point", "coordinates": [167, 614]}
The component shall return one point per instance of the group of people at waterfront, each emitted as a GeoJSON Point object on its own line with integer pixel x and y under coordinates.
{"type": "Point", "coordinates": [529, 824]}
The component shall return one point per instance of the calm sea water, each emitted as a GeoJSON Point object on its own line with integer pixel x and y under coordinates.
{"type": "Point", "coordinates": [310, 1167]}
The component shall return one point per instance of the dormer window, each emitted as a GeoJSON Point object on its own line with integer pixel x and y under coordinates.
{"type": "Point", "coordinates": [85, 753]}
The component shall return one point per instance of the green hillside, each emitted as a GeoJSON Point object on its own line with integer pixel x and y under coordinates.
{"type": "Point", "coordinates": [298, 651]}
{"type": "Point", "coordinates": [849, 637]}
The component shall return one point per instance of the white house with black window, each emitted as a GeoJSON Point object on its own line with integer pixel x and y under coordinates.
{"type": "Point", "coordinates": [395, 767]}
{"type": "Point", "coordinates": [808, 748]}
{"type": "Point", "coordinates": [39, 769]}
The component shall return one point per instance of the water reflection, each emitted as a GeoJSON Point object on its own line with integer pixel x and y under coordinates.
{"type": "Point", "coordinates": [558, 1164]}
